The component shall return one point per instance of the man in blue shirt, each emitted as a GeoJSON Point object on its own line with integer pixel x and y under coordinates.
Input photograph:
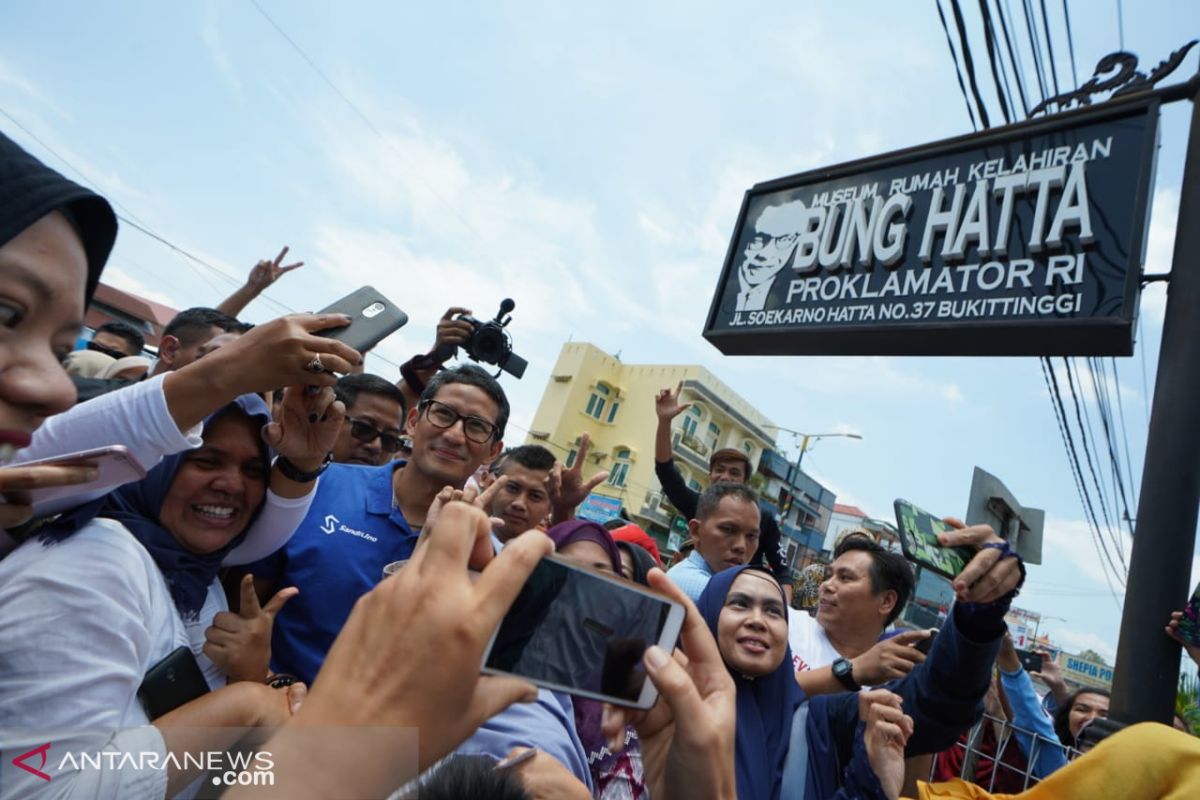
{"type": "Point", "coordinates": [364, 518]}
{"type": "Point", "coordinates": [726, 534]}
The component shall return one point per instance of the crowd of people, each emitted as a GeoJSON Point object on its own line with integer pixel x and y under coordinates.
{"type": "Point", "coordinates": [328, 553]}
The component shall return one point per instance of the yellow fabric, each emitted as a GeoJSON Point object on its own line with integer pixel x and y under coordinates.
{"type": "Point", "coordinates": [1147, 760]}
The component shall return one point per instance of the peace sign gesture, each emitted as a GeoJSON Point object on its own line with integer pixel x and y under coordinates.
{"type": "Point", "coordinates": [240, 643]}
{"type": "Point", "coordinates": [264, 273]}
{"type": "Point", "coordinates": [567, 488]}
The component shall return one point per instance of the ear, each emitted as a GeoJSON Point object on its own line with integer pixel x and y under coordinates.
{"type": "Point", "coordinates": [887, 601]}
{"type": "Point", "coordinates": [168, 350]}
{"type": "Point", "coordinates": [497, 447]}
{"type": "Point", "coordinates": [694, 528]}
{"type": "Point", "coordinates": [410, 424]}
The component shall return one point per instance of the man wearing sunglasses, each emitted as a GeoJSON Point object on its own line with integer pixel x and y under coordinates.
{"type": "Point", "coordinates": [375, 412]}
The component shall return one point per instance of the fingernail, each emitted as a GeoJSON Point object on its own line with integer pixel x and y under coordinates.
{"type": "Point", "coordinates": [656, 657]}
{"type": "Point", "coordinates": [312, 417]}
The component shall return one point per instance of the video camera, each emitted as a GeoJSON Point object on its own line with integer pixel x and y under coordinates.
{"type": "Point", "coordinates": [491, 344]}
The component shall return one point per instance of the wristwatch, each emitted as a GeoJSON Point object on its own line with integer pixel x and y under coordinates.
{"type": "Point", "coordinates": [843, 670]}
{"type": "Point", "coordinates": [292, 472]}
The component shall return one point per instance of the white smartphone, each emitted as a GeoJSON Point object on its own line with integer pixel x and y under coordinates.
{"type": "Point", "coordinates": [116, 466]}
{"type": "Point", "coordinates": [584, 633]}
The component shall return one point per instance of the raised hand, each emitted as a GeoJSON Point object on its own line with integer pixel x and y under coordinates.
{"type": "Point", "coordinates": [1172, 629]}
{"type": "Point", "coordinates": [667, 405]}
{"type": "Point", "coordinates": [687, 737]}
{"type": "Point", "coordinates": [890, 659]}
{"type": "Point", "coordinates": [988, 576]}
{"type": "Point", "coordinates": [567, 488]}
{"type": "Point", "coordinates": [264, 273]}
{"type": "Point", "coordinates": [240, 644]}
{"type": "Point", "coordinates": [453, 332]}
{"type": "Point", "coordinates": [306, 427]}
{"type": "Point", "coordinates": [885, 735]}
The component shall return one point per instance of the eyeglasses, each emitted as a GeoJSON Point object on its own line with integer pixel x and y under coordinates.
{"type": "Point", "coordinates": [761, 240]}
{"type": "Point", "coordinates": [477, 429]}
{"type": "Point", "coordinates": [365, 432]}
{"type": "Point", "coordinates": [108, 351]}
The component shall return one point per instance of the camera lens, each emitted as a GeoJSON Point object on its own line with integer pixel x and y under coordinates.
{"type": "Point", "coordinates": [489, 344]}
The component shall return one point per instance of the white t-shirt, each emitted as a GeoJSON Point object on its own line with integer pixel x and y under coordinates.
{"type": "Point", "coordinates": [810, 646]}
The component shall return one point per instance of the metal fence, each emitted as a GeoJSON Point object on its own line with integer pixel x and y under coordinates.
{"type": "Point", "coordinates": [977, 757]}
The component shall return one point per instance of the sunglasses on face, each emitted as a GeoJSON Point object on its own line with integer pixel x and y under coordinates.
{"type": "Point", "coordinates": [108, 351]}
{"type": "Point", "coordinates": [477, 429]}
{"type": "Point", "coordinates": [365, 432]}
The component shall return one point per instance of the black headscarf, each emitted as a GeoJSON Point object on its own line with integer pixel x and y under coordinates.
{"type": "Point", "coordinates": [643, 562]}
{"type": "Point", "coordinates": [29, 190]}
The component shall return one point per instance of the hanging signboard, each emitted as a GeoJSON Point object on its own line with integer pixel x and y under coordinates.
{"type": "Point", "coordinates": [1024, 240]}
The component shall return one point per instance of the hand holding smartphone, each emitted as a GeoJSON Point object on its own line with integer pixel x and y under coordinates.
{"type": "Point", "coordinates": [919, 532]}
{"type": "Point", "coordinates": [1030, 661]}
{"type": "Point", "coordinates": [114, 466]}
{"type": "Point", "coordinates": [1187, 629]}
{"type": "Point", "coordinates": [584, 633]}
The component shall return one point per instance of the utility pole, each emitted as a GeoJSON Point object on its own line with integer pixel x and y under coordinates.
{"type": "Point", "coordinates": [1147, 670]}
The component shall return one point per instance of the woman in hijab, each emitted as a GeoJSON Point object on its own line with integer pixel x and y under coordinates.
{"type": "Point", "coordinates": [108, 591]}
{"type": "Point", "coordinates": [614, 775]}
{"type": "Point", "coordinates": [785, 745]}
{"type": "Point", "coordinates": [54, 239]}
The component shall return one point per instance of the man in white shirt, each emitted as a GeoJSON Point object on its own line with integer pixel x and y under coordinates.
{"type": "Point", "coordinates": [840, 649]}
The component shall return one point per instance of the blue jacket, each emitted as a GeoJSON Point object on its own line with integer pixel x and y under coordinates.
{"type": "Point", "coordinates": [944, 697]}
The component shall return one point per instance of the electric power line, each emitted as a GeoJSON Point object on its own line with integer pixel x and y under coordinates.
{"type": "Point", "coordinates": [1070, 44]}
{"type": "Point", "coordinates": [1050, 47]}
{"type": "Point", "coordinates": [958, 72]}
{"type": "Point", "coordinates": [990, 39]}
{"type": "Point", "coordinates": [969, 63]}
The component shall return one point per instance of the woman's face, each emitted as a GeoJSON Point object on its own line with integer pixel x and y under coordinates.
{"type": "Point", "coordinates": [1085, 708]}
{"type": "Point", "coordinates": [43, 271]}
{"type": "Point", "coordinates": [587, 554]}
{"type": "Point", "coordinates": [752, 629]}
{"type": "Point", "coordinates": [218, 486]}
{"type": "Point", "coordinates": [626, 564]}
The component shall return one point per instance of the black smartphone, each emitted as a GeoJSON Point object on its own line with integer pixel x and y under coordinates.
{"type": "Point", "coordinates": [918, 538]}
{"type": "Point", "coordinates": [925, 644]}
{"type": "Point", "coordinates": [1189, 623]}
{"type": "Point", "coordinates": [1030, 661]}
{"type": "Point", "coordinates": [584, 633]}
{"type": "Point", "coordinates": [170, 683]}
{"type": "Point", "coordinates": [372, 319]}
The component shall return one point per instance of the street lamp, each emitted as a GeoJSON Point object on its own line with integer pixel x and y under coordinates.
{"type": "Point", "coordinates": [805, 439]}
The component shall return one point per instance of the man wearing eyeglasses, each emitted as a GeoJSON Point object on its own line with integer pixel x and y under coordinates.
{"type": "Point", "coordinates": [375, 412]}
{"type": "Point", "coordinates": [364, 518]}
{"type": "Point", "coordinates": [772, 247]}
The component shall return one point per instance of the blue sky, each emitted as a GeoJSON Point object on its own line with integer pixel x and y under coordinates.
{"type": "Point", "coordinates": [589, 161]}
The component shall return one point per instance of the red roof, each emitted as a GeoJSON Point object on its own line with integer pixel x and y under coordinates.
{"type": "Point", "coordinates": [852, 511]}
{"type": "Point", "coordinates": [155, 315]}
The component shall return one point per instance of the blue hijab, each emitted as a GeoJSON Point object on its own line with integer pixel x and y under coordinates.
{"type": "Point", "coordinates": [137, 507]}
{"type": "Point", "coordinates": [765, 705]}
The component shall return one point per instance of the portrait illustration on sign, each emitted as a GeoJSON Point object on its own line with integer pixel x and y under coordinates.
{"type": "Point", "coordinates": [770, 250]}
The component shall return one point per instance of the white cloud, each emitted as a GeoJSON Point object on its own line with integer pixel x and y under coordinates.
{"type": "Point", "coordinates": [11, 78]}
{"type": "Point", "coordinates": [1073, 541]}
{"type": "Point", "coordinates": [1077, 641]}
{"type": "Point", "coordinates": [120, 279]}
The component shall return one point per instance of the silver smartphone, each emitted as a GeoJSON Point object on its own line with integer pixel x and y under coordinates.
{"type": "Point", "coordinates": [115, 466]}
{"type": "Point", "coordinates": [582, 632]}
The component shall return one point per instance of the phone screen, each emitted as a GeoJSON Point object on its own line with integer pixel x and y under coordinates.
{"type": "Point", "coordinates": [576, 631]}
{"type": "Point", "coordinates": [918, 536]}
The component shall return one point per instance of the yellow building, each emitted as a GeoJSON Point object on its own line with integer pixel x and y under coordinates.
{"type": "Point", "coordinates": [592, 392]}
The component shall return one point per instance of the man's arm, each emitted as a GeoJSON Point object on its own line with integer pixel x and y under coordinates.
{"type": "Point", "coordinates": [262, 275]}
{"type": "Point", "coordinates": [676, 489]}
{"type": "Point", "coordinates": [416, 372]}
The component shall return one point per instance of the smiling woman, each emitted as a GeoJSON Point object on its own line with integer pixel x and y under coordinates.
{"type": "Point", "coordinates": [126, 580]}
